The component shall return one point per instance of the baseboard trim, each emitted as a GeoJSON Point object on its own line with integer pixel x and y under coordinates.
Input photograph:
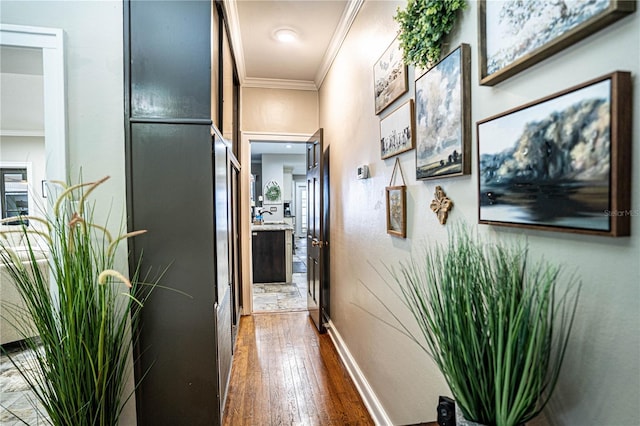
{"type": "Point", "coordinates": [369, 397]}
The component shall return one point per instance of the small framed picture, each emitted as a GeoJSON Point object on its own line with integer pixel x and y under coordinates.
{"type": "Point", "coordinates": [389, 77]}
{"type": "Point", "coordinates": [396, 131]}
{"type": "Point", "coordinates": [397, 210]}
{"type": "Point", "coordinates": [561, 163]}
{"type": "Point", "coordinates": [443, 117]}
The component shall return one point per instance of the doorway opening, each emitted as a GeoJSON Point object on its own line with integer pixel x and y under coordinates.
{"type": "Point", "coordinates": [277, 201]}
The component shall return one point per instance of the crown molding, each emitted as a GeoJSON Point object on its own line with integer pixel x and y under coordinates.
{"type": "Point", "coordinates": [231, 10]}
{"type": "Point", "coordinates": [349, 15]}
{"type": "Point", "coordinates": [274, 83]}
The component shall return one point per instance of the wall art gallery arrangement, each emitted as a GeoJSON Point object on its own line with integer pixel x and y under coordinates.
{"type": "Point", "coordinates": [560, 163]}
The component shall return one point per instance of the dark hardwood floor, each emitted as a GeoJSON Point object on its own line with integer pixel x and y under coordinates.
{"type": "Point", "coordinates": [285, 373]}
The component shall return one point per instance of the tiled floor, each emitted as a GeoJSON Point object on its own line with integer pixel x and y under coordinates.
{"type": "Point", "coordinates": [16, 399]}
{"type": "Point", "coordinates": [284, 297]}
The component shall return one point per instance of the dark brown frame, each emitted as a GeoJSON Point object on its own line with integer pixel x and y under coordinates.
{"type": "Point", "coordinates": [617, 9]}
{"type": "Point", "coordinates": [465, 112]}
{"type": "Point", "coordinates": [620, 114]}
{"type": "Point", "coordinates": [402, 232]}
{"type": "Point", "coordinates": [410, 121]}
{"type": "Point", "coordinates": [404, 76]}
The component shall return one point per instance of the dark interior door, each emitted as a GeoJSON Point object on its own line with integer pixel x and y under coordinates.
{"type": "Point", "coordinates": [316, 243]}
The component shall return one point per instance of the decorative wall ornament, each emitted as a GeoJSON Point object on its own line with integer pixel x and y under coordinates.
{"type": "Point", "coordinates": [396, 196]}
{"type": "Point", "coordinates": [441, 205]}
{"type": "Point", "coordinates": [272, 191]}
{"type": "Point", "coordinates": [561, 163]}
{"type": "Point", "coordinates": [516, 35]}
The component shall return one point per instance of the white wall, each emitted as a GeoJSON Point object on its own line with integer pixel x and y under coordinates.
{"type": "Point", "coordinates": [94, 75]}
{"type": "Point", "coordinates": [93, 33]}
{"type": "Point", "coordinates": [279, 110]}
{"type": "Point", "coordinates": [600, 383]}
{"type": "Point", "coordinates": [272, 171]}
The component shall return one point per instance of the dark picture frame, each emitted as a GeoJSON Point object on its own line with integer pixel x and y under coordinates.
{"type": "Point", "coordinates": [390, 77]}
{"type": "Point", "coordinates": [561, 163]}
{"type": "Point", "coordinates": [443, 117]}
{"type": "Point", "coordinates": [397, 131]}
{"type": "Point", "coordinates": [396, 197]}
{"type": "Point", "coordinates": [510, 40]}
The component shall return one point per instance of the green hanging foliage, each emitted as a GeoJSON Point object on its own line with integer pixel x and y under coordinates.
{"type": "Point", "coordinates": [273, 192]}
{"type": "Point", "coordinates": [424, 24]}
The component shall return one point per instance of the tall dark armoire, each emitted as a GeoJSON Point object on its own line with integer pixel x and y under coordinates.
{"type": "Point", "coordinates": [179, 183]}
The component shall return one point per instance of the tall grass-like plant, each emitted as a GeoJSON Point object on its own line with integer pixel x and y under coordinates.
{"type": "Point", "coordinates": [81, 358]}
{"type": "Point", "coordinates": [496, 325]}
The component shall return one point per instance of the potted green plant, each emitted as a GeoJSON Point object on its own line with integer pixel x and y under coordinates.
{"type": "Point", "coordinates": [424, 25]}
{"type": "Point", "coordinates": [81, 354]}
{"type": "Point", "coordinates": [496, 324]}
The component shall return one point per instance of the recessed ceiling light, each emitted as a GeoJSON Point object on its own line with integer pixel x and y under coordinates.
{"type": "Point", "coordinates": [289, 146]}
{"type": "Point", "coordinates": [285, 35]}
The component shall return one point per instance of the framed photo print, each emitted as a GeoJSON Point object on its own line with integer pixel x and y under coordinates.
{"type": "Point", "coordinates": [443, 117]}
{"type": "Point", "coordinates": [396, 131]}
{"type": "Point", "coordinates": [389, 77]}
{"type": "Point", "coordinates": [560, 163]}
{"type": "Point", "coordinates": [515, 35]}
{"type": "Point", "coordinates": [397, 210]}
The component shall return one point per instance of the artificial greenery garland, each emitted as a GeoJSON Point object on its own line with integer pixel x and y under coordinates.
{"type": "Point", "coordinates": [424, 24]}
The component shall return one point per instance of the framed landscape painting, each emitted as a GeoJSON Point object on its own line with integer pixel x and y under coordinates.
{"type": "Point", "coordinates": [515, 35]}
{"type": "Point", "coordinates": [443, 117]}
{"type": "Point", "coordinates": [389, 77]}
{"type": "Point", "coordinates": [561, 163]}
{"type": "Point", "coordinates": [396, 131]}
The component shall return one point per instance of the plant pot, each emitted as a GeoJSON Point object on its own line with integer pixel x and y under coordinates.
{"type": "Point", "coordinates": [461, 421]}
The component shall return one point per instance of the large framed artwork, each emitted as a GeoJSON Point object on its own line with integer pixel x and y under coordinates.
{"type": "Point", "coordinates": [396, 131]}
{"type": "Point", "coordinates": [515, 35]}
{"type": "Point", "coordinates": [443, 117]}
{"type": "Point", "coordinates": [389, 77]}
{"type": "Point", "coordinates": [560, 163]}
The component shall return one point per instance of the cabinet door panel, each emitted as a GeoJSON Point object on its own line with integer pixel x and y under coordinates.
{"type": "Point", "coordinates": [268, 257]}
{"type": "Point", "coordinates": [172, 197]}
{"type": "Point", "coordinates": [171, 59]}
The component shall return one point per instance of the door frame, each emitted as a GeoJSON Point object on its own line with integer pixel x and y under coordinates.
{"type": "Point", "coordinates": [51, 42]}
{"type": "Point", "coordinates": [245, 207]}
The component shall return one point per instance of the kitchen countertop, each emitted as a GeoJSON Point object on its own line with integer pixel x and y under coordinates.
{"type": "Point", "coordinates": [277, 226]}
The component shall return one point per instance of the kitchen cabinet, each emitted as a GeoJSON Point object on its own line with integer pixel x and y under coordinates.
{"type": "Point", "coordinates": [272, 257]}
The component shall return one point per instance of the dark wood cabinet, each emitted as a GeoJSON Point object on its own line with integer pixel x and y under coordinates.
{"type": "Point", "coordinates": [178, 188]}
{"type": "Point", "coordinates": [269, 263]}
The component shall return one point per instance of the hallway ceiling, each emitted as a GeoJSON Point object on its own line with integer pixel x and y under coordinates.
{"type": "Point", "coordinates": [262, 61]}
